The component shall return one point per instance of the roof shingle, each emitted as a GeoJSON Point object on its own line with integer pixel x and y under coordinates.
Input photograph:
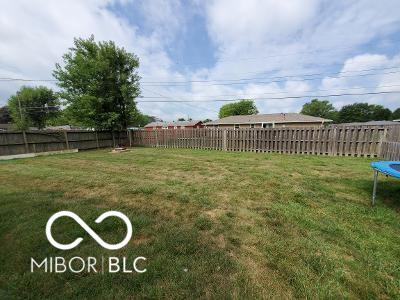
{"type": "Point", "coordinates": [177, 123]}
{"type": "Point", "coordinates": [269, 118]}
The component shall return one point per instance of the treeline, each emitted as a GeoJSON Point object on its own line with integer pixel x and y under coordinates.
{"type": "Point", "coordinates": [98, 84]}
{"type": "Point", "coordinates": [356, 112]}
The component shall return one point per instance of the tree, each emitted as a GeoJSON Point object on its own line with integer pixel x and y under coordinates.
{"type": "Point", "coordinates": [5, 116]}
{"type": "Point", "coordinates": [62, 118]}
{"type": "Point", "coordinates": [243, 107]}
{"type": "Point", "coordinates": [140, 120]}
{"type": "Point", "coordinates": [319, 108]}
{"type": "Point", "coordinates": [206, 120]}
{"type": "Point", "coordinates": [33, 106]}
{"type": "Point", "coordinates": [181, 119]}
{"type": "Point", "coordinates": [380, 113]}
{"type": "Point", "coordinates": [396, 114]}
{"type": "Point", "coordinates": [99, 83]}
{"type": "Point", "coordinates": [363, 112]}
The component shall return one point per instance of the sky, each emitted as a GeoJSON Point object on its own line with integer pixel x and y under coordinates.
{"type": "Point", "coordinates": [223, 49]}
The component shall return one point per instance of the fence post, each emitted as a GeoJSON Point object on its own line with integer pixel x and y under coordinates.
{"type": "Point", "coordinates": [129, 132]}
{"type": "Point", "coordinates": [224, 140]}
{"type": "Point", "coordinates": [113, 138]}
{"type": "Point", "coordinates": [97, 139]}
{"type": "Point", "coordinates": [381, 141]}
{"type": "Point", "coordinates": [25, 141]}
{"type": "Point", "coordinates": [334, 138]}
{"type": "Point", "coordinates": [66, 139]}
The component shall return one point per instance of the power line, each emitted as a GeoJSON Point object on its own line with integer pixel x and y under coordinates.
{"type": "Point", "coordinates": [275, 98]}
{"type": "Point", "coordinates": [306, 65]}
{"type": "Point", "coordinates": [277, 93]}
{"type": "Point", "coordinates": [190, 105]}
{"type": "Point", "coordinates": [275, 77]}
{"type": "Point", "coordinates": [235, 59]}
{"type": "Point", "coordinates": [23, 79]}
{"type": "Point", "coordinates": [167, 83]}
{"type": "Point", "coordinates": [327, 50]}
{"type": "Point", "coordinates": [285, 79]}
{"type": "Point", "coordinates": [321, 51]}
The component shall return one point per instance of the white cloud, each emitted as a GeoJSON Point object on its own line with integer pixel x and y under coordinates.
{"type": "Point", "coordinates": [275, 38]}
{"type": "Point", "coordinates": [35, 35]}
{"type": "Point", "coordinates": [252, 38]}
{"type": "Point", "coordinates": [165, 17]}
{"type": "Point", "coordinates": [257, 21]}
{"type": "Point", "coordinates": [384, 80]}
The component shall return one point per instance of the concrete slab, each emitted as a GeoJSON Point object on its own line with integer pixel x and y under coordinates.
{"type": "Point", "coordinates": [27, 155]}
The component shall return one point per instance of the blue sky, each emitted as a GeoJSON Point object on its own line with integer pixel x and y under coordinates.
{"type": "Point", "coordinates": [206, 43]}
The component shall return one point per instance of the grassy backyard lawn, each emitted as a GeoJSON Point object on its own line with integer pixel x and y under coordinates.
{"type": "Point", "coordinates": [211, 225]}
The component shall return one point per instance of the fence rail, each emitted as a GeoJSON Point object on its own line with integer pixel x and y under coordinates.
{"type": "Point", "coordinates": [336, 141]}
{"type": "Point", "coordinates": [19, 142]}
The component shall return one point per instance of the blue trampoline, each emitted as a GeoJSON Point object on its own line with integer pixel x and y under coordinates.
{"type": "Point", "coordinates": [389, 168]}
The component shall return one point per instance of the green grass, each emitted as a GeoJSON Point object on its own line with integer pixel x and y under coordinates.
{"type": "Point", "coordinates": [211, 225]}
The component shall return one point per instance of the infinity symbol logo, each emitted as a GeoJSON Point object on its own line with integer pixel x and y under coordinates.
{"type": "Point", "coordinates": [89, 230]}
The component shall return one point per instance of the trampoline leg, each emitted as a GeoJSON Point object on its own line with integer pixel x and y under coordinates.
{"type": "Point", "coordinates": [375, 184]}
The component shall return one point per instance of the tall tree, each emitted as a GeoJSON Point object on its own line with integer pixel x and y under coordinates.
{"type": "Point", "coordinates": [140, 120]}
{"type": "Point", "coordinates": [62, 118]}
{"type": "Point", "coordinates": [33, 106]}
{"type": "Point", "coordinates": [396, 114]}
{"type": "Point", "coordinates": [380, 113]}
{"type": "Point", "coordinates": [99, 83]}
{"type": "Point", "coordinates": [5, 116]}
{"type": "Point", "coordinates": [363, 112]}
{"type": "Point", "coordinates": [243, 107]}
{"type": "Point", "coordinates": [319, 108]}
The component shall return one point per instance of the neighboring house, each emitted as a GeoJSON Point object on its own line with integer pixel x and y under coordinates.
{"type": "Point", "coordinates": [156, 125]}
{"type": "Point", "coordinates": [370, 123]}
{"type": "Point", "coordinates": [59, 127]}
{"type": "Point", "coordinates": [174, 125]}
{"type": "Point", "coordinates": [6, 127]}
{"type": "Point", "coordinates": [5, 119]}
{"type": "Point", "coordinates": [268, 121]}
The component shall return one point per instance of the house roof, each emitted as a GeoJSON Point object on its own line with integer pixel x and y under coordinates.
{"type": "Point", "coordinates": [269, 118]}
{"type": "Point", "coordinates": [177, 123]}
{"type": "Point", "coordinates": [370, 123]}
{"type": "Point", "coordinates": [156, 124]}
{"type": "Point", "coordinates": [7, 126]}
{"type": "Point", "coordinates": [59, 127]}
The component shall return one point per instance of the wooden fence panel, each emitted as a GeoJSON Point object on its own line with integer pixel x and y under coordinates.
{"type": "Point", "coordinates": [340, 140]}
{"type": "Point", "coordinates": [390, 147]}
{"type": "Point", "coordinates": [335, 141]}
{"type": "Point", "coordinates": [19, 142]}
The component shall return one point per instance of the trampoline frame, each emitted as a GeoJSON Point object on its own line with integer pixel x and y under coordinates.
{"type": "Point", "coordinates": [376, 173]}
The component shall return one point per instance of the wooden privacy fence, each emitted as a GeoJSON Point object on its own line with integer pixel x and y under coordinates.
{"type": "Point", "coordinates": [351, 141]}
{"type": "Point", "coordinates": [391, 145]}
{"type": "Point", "coordinates": [19, 142]}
